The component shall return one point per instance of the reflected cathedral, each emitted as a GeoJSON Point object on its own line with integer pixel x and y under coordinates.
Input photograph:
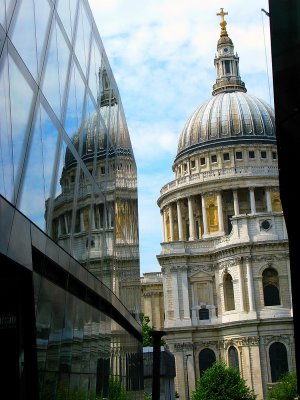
{"type": "Point", "coordinates": [102, 230]}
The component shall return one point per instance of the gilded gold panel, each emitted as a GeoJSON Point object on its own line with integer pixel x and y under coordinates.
{"type": "Point", "coordinates": [211, 206]}
{"type": "Point", "coordinates": [276, 202]}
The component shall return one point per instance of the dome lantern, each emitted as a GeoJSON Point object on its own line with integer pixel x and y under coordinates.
{"type": "Point", "coordinates": [226, 63]}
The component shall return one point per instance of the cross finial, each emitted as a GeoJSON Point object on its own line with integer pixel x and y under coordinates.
{"type": "Point", "coordinates": [223, 23]}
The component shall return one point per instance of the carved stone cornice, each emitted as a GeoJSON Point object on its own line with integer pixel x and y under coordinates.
{"type": "Point", "coordinates": [267, 339]}
{"type": "Point", "coordinates": [240, 342]}
{"type": "Point", "coordinates": [179, 347]}
{"type": "Point", "coordinates": [230, 263]}
{"type": "Point", "coordinates": [270, 259]}
{"type": "Point", "coordinates": [153, 294]}
{"type": "Point", "coordinates": [176, 268]}
{"type": "Point", "coordinates": [207, 343]}
{"type": "Point", "coordinates": [201, 268]}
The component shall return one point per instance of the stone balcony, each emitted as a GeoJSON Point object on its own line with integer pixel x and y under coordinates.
{"type": "Point", "coordinates": [220, 174]}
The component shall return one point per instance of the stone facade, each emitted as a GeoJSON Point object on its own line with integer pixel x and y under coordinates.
{"type": "Point", "coordinates": [225, 254]}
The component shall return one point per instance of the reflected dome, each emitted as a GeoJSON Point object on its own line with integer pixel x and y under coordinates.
{"type": "Point", "coordinates": [228, 118]}
{"type": "Point", "coordinates": [97, 137]}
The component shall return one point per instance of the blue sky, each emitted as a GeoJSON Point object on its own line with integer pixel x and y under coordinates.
{"type": "Point", "coordinates": [161, 53]}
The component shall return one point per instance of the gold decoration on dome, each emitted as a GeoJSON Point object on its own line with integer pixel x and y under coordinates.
{"type": "Point", "coordinates": [223, 23]}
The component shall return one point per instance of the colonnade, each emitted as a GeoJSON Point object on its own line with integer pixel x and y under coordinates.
{"type": "Point", "coordinates": [212, 216]}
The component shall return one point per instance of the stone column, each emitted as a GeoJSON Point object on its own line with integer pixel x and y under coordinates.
{"type": "Point", "coordinates": [236, 203]}
{"type": "Point", "coordinates": [185, 295]}
{"type": "Point", "coordinates": [171, 222]}
{"type": "Point", "coordinates": [166, 301]}
{"type": "Point", "coordinates": [268, 200]}
{"type": "Point", "coordinates": [175, 295]}
{"type": "Point", "coordinates": [179, 219]}
{"type": "Point", "coordinates": [252, 201]}
{"type": "Point", "coordinates": [205, 225]}
{"type": "Point", "coordinates": [165, 226]}
{"type": "Point", "coordinates": [241, 288]}
{"type": "Point", "coordinates": [156, 312]}
{"type": "Point", "coordinates": [191, 219]}
{"type": "Point", "coordinates": [220, 212]}
{"type": "Point", "coordinates": [250, 285]}
{"type": "Point", "coordinates": [148, 305]}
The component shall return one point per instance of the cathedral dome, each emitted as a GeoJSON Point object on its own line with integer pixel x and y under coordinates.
{"type": "Point", "coordinates": [230, 116]}
{"type": "Point", "coordinates": [225, 119]}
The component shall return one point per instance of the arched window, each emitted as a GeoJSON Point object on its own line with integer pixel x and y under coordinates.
{"type": "Point", "coordinates": [271, 287]}
{"type": "Point", "coordinates": [228, 293]}
{"type": "Point", "coordinates": [206, 359]}
{"type": "Point", "coordinates": [233, 358]}
{"type": "Point", "coordinates": [278, 360]}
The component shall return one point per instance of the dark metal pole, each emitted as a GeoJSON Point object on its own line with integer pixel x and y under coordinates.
{"type": "Point", "coordinates": [156, 335]}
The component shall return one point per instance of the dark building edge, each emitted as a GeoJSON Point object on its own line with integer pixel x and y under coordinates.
{"type": "Point", "coordinates": [285, 48]}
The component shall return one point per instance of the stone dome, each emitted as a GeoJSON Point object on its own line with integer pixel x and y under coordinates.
{"type": "Point", "coordinates": [226, 119]}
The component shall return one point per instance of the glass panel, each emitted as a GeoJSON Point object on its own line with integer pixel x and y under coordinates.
{"type": "Point", "coordinates": [23, 36]}
{"type": "Point", "coordinates": [56, 70]}
{"type": "Point", "coordinates": [82, 45]}
{"type": "Point", "coordinates": [96, 62]}
{"type": "Point", "coordinates": [37, 184]}
{"type": "Point", "coordinates": [3, 10]}
{"type": "Point", "coordinates": [73, 118]}
{"type": "Point", "coordinates": [63, 55]}
{"type": "Point", "coordinates": [6, 149]}
{"type": "Point", "coordinates": [42, 14]}
{"type": "Point", "coordinates": [20, 102]}
{"type": "Point", "coordinates": [66, 11]}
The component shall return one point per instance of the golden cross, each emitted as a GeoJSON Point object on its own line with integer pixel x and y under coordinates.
{"type": "Point", "coordinates": [223, 23]}
{"type": "Point", "coordinates": [222, 13]}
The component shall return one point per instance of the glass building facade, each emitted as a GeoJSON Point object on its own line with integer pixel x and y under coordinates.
{"type": "Point", "coordinates": [69, 220]}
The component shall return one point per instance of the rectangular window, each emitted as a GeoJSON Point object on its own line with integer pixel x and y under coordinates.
{"type": "Point", "coordinates": [184, 167]}
{"type": "Point", "coordinates": [227, 67]}
{"type": "Point", "coordinates": [238, 155]}
{"type": "Point", "coordinates": [263, 154]}
{"type": "Point", "coordinates": [226, 157]}
{"type": "Point", "coordinates": [274, 155]}
{"type": "Point", "coordinates": [202, 161]}
{"type": "Point", "coordinates": [102, 169]}
{"type": "Point", "coordinates": [193, 164]}
{"type": "Point", "coordinates": [213, 158]}
{"type": "Point", "coordinates": [251, 154]}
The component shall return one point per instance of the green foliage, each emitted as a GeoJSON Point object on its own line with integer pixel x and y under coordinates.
{"type": "Point", "coordinates": [285, 389]}
{"type": "Point", "coordinates": [116, 391]}
{"type": "Point", "coordinates": [147, 396]}
{"type": "Point", "coordinates": [222, 383]}
{"type": "Point", "coordinates": [146, 329]}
